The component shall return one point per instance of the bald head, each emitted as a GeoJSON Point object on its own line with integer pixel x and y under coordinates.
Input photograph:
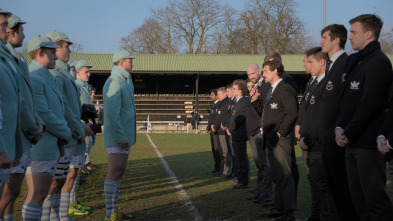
{"type": "Point", "coordinates": [254, 73]}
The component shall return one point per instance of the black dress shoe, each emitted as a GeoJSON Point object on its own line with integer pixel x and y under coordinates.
{"type": "Point", "coordinates": [263, 200]}
{"type": "Point", "coordinates": [251, 191]}
{"type": "Point", "coordinates": [272, 213]}
{"type": "Point", "coordinates": [285, 217]}
{"type": "Point", "coordinates": [253, 197]}
{"type": "Point", "coordinates": [239, 186]}
{"type": "Point", "coordinates": [312, 219]}
{"type": "Point", "coordinates": [212, 171]}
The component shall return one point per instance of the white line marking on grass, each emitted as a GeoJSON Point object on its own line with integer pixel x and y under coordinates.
{"type": "Point", "coordinates": [183, 195]}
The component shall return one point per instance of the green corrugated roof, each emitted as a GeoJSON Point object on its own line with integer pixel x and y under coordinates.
{"type": "Point", "coordinates": [188, 63]}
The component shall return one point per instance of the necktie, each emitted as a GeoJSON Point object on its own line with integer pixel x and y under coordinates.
{"type": "Point", "coordinates": [269, 95]}
{"type": "Point", "coordinates": [329, 62]}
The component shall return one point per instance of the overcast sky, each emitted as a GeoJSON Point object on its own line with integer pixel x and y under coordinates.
{"type": "Point", "coordinates": [98, 25]}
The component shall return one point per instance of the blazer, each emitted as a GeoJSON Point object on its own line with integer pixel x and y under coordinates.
{"type": "Point", "coordinates": [10, 104]}
{"type": "Point", "coordinates": [220, 112]}
{"type": "Point", "coordinates": [28, 116]}
{"type": "Point", "coordinates": [330, 100]}
{"type": "Point", "coordinates": [212, 115]}
{"type": "Point", "coordinates": [237, 125]}
{"type": "Point", "coordinates": [119, 108]}
{"type": "Point", "coordinates": [303, 102]}
{"type": "Point", "coordinates": [228, 112]}
{"type": "Point", "coordinates": [73, 111]}
{"type": "Point", "coordinates": [310, 122]}
{"type": "Point", "coordinates": [363, 100]}
{"type": "Point", "coordinates": [49, 104]}
{"type": "Point", "coordinates": [254, 113]}
{"type": "Point", "coordinates": [279, 112]}
{"type": "Point", "coordinates": [387, 126]}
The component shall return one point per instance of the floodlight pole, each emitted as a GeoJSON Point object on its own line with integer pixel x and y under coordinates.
{"type": "Point", "coordinates": [324, 13]}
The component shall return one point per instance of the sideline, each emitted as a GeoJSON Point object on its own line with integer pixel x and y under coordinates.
{"type": "Point", "coordinates": [183, 195]}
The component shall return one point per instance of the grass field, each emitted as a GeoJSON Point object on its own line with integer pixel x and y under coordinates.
{"type": "Point", "coordinates": [148, 192]}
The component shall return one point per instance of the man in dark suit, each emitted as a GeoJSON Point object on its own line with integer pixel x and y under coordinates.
{"type": "Point", "coordinates": [213, 136]}
{"type": "Point", "coordinates": [278, 118]}
{"type": "Point", "coordinates": [225, 124]}
{"type": "Point", "coordinates": [333, 39]}
{"type": "Point", "coordinates": [237, 129]}
{"type": "Point", "coordinates": [309, 137]}
{"type": "Point", "coordinates": [367, 78]}
{"type": "Point", "coordinates": [264, 189]}
{"type": "Point", "coordinates": [315, 198]}
{"type": "Point", "coordinates": [226, 158]}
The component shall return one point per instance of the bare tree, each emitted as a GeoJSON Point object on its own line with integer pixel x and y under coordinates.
{"type": "Point", "coordinates": [194, 22]}
{"type": "Point", "coordinates": [283, 31]}
{"type": "Point", "coordinates": [76, 47]}
{"type": "Point", "coordinates": [386, 40]}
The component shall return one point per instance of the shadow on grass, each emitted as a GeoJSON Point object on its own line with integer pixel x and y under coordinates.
{"type": "Point", "coordinates": [148, 193]}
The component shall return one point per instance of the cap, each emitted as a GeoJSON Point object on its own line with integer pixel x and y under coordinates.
{"type": "Point", "coordinates": [121, 55]}
{"type": "Point", "coordinates": [5, 13]}
{"type": "Point", "coordinates": [72, 63]}
{"type": "Point", "coordinates": [82, 63]}
{"type": "Point", "coordinates": [14, 20]}
{"type": "Point", "coordinates": [58, 36]}
{"type": "Point", "coordinates": [40, 42]}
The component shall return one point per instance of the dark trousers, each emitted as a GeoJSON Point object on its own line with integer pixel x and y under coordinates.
{"type": "Point", "coordinates": [315, 198]}
{"type": "Point", "coordinates": [317, 171]}
{"type": "Point", "coordinates": [226, 158]}
{"type": "Point", "coordinates": [280, 160]}
{"type": "Point", "coordinates": [366, 170]}
{"type": "Point", "coordinates": [243, 165]}
{"type": "Point", "coordinates": [334, 161]}
{"type": "Point", "coordinates": [216, 152]}
{"type": "Point", "coordinates": [295, 171]}
{"type": "Point", "coordinates": [264, 179]}
{"type": "Point", "coordinates": [232, 153]}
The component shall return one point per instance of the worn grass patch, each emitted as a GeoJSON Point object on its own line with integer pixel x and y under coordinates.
{"type": "Point", "coordinates": [148, 193]}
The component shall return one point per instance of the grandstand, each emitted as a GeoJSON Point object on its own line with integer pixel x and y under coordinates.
{"type": "Point", "coordinates": [169, 87]}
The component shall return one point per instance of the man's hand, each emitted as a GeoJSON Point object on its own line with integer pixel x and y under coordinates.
{"type": "Point", "coordinates": [81, 140]}
{"type": "Point", "coordinates": [254, 94]}
{"type": "Point", "coordinates": [229, 133]}
{"type": "Point", "coordinates": [382, 145]}
{"type": "Point", "coordinates": [297, 130]}
{"type": "Point", "coordinates": [62, 141]}
{"type": "Point", "coordinates": [124, 144]}
{"type": "Point", "coordinates": [341, 139]}
{"type": "Point", "coordinates": [5, 160]}
{"type": "Point", "coordinates": [88, 131]}
{"type": "Point", "coordinates": [302, 144]}
{"type": "Point", "coordinates": [223, 128]}
{"type": "Point", "coordinates": [16, 162]}
{"type": "Point", "coordinates": [37, 134]}
{"type": "Point", "coordinates": [212, 128]}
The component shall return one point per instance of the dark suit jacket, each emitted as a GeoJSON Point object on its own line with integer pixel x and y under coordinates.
{"type": "Point", "coordinates": [212, 115]}
{"type": "Point", "coordinates": [387, 127]}
{"type": "Point", "coordinates": [237, 125]}
{"type": "Point", "coordinates": [289, 80]}
{"type": "Point", "coordinates": [303, 102]}
{"type": "Point", "coordinates": [363, 99]}
{"type": "Point", "coordinates": [279, 112]}
{"type": "Point", "coordinates": [310, 122]}
{"type": "Point", "coordinates": [228, 112]}
{"type": "Point", "coordinates": [330, 100]}
{"type": "Point", "coordinates": [220, 112]}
